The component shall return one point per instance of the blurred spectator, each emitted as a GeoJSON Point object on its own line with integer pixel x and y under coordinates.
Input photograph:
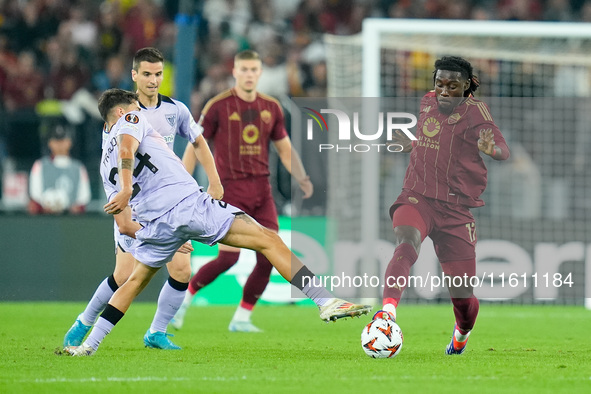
{"type": "Point", "coordinates": [23, 89]}
{"type": "Point", "coordinates": [519, 10]}
{"type": "Point", "coordinates": [315, 84]}
{"type": "Point", "coordinates": [114, 75]}
{"type": "Point", "coordinates": [216, 80]}
{"type": "Point", "coordinates": [27, 31]}
{"type": "Point", "coordinates": [110, 36]}
{"type": "Point", "coordinates": [312, 17]}
{"type": "Point", "coordinates": [142, 25]}
{"type": "Point", "coordinates": [558, 11]}
{"type": "Point", "coordinates": [265, 28]}
{"type": "Point", "coordinates": [57, 183]}
{"type": "Point", "coordinates": [84, 31]}
{"type": "Point", "coordinates": [8, 61]}
{"type": "Point", "coordinates": [273, 80]}
{"type": "Point", "coordinates": [236, 12]}
{"type": "Point", "coordinates": [69, 76]}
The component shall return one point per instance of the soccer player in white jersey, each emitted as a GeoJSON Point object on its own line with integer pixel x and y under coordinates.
{"type": "Point", "coordinates": [140, 172]}
{"type": "Point", "coordinates": [169, 117]}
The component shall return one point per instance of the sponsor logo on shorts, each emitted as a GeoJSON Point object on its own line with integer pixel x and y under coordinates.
{"type": "Point", "coordinates": [413, 200]}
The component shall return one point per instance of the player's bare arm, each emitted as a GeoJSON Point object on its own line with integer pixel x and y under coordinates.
{"type": "Point", "coordinates": [125, 224]}
{"type": "Point", "coordinates": [128, 145]}
{"type": "Point", "coordinates": [293, 164]}
{"type": "Point", "coordinates": [189, 159]}
{"type": "Point", "coordinates": [204, 156]}
{"type": "Point", "coordinates": [401, 140]}
{"type": "Point", "coordinates": [486, 144]}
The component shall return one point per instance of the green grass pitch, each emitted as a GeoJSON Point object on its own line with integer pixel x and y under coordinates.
{"type": "Point", "coordinates": [513, 349]}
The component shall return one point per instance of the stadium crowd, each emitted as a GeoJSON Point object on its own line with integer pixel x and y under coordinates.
{"type": "Point", "coordinates": [58, 56]}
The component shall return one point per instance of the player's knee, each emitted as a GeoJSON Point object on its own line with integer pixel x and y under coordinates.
{"type": "Point", "coordinates": [269, 239]}
{"type": "Point", "coordinates": [409, 235]}
{"type": "Point", "coordinates": [181, 275]}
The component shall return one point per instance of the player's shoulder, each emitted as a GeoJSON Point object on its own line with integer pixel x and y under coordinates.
{"type": "Point", "coordinates": [429, 99]}
{"type": "Point", "coordinates": [168, 100]}
{"type": "Point", "coordinates": [269, 99]}
{"type": "Point", "coordinates": [429, 95]}
{"type": "Point", "coordinates": [217, 99]}
{"type": "Point", "coordinates": [478, 109]}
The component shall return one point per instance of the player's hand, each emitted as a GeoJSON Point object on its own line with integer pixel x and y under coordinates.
{"type": "Point", "coordinates": [306, 186]}
{"type": "Point", "coordinates": [186, 248]}
{"type": "Point", "coordinates": [486, 142]}
{"type": "Point", "coordinates": [401, 140]}
{"type": "Point", "coordinates": [118, 203]}
{"type": "Point", "coordinates": [216, 191]}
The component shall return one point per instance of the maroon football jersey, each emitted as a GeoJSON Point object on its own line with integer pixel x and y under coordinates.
{"type": "Point", "coordinates": [241, 132]}
{"type": "Point", "coordinates": [445, 163]}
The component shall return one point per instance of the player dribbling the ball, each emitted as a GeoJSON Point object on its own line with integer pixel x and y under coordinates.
{"type": "Point", "coordinates": [444, 180]}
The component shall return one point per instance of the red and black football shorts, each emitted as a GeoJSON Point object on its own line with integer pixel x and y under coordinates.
{"type": "Point", "coordinates": [254, 197]}
{"type": "Point", "coordinates": [450, 226]}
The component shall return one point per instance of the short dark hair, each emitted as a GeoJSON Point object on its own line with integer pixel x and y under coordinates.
{"type": "Point", "coordinates": [247, 54]}
{"type": "Point", "coordinates": [148, 54]}
{"type": "Point", "coordinates": [461, 65]}
{"type": "Point", "coordinates": [114, 97]}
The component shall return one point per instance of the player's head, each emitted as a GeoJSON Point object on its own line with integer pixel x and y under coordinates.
{"type": "Point", "coordinates": [247, 70]}
{"type": "Point", "coordinates": [454, 80]}
{"type": "Point", "coordinates": [114, 103]}
{"type": "Point", "coordinates": [147, 71]}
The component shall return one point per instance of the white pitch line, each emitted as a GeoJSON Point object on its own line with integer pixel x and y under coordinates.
{"type": "Point", "coordinates": [126, 379]}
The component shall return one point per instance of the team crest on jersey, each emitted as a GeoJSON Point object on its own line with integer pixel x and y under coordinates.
{"type": "Point", "coordinates": [265, 116]}
{"type": "Point", "coordinates": [454, 118]}
{"type": "Point", "coordinates": [132, 118]}
{"type": "Point", "coordinates": [413, 200]}
{"type": "Point", "coordinates": [431, 127]}
{"type": "Point", "coordinates": [170, 118]}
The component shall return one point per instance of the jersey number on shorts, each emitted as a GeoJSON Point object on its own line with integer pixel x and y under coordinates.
{"type": "Point", "coordinates": [471, 231]}
{"type": "Point", "coordinates": [144, 161]}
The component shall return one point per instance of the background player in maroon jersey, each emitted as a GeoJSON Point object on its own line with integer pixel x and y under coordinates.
{"type": "Point", "coordinates": [444, 179]}
{"type": "Point", "coordinates": [241, 122]}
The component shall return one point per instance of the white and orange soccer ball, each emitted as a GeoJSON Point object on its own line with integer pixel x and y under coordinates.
{"type": "Point", "coordinates": [381, 338]}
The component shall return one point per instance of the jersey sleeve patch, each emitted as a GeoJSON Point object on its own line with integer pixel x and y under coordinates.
{"type": "Point", "coordinates": [132, 118]}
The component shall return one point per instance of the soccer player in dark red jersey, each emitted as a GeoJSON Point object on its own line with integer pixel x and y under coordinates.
{"type": "Point", "coordinates": [242, 122]}
{"type": "Point", "coordinates": [444, 179]}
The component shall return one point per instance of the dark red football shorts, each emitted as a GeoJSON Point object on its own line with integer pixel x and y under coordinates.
{"type": "Point", "coordinates": [450, 226]}
{"type": "Point", "coordinates": [254, 197]}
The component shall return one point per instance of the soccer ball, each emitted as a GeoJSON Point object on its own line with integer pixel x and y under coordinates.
{"type": "Point", "coordinates": [382, 338]}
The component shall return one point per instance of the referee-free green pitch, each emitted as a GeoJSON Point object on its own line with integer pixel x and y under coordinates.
{"type": "Point", "coordinates": [513, 349]}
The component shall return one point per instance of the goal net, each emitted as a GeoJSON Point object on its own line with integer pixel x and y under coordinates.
{"type": "Point", "coordinates": [534, 233]}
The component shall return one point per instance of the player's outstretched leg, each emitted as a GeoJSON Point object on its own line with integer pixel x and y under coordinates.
{"type": "Point", "coordinates": [245, 232]}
